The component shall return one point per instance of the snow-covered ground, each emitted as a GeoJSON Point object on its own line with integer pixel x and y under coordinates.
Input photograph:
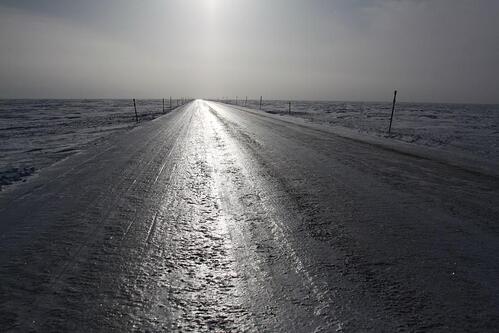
{"type": "Point", "coordinates": [466, 129]}
{"type": "Point", "coordinates": [38, 133]}
{"type": "Point", "coordinates": [215, 219]}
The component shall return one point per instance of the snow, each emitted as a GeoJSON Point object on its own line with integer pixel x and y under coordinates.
{"type": "Point", "coordinates": [37, 133]}
{"type": "Point", "coordinates": [464, 129]}
{"type": "Point", "coordinates": [214, 219]}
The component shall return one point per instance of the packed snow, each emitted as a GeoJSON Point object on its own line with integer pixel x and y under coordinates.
{"type": "Point", "coordinates": [37, 133]}
{"type": "Point", "coordinates": [216, 219]}
{"type": "Point", "coordinates": [467, 129]}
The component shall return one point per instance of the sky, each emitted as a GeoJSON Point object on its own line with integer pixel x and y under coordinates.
{"type": "Point", "coordinates": [357, 50]}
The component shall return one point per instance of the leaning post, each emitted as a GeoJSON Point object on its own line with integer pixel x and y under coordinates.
{"type": "Point", "coordinates": [135, 108]}
{"type": "Point", "coordinates": [393, 110]}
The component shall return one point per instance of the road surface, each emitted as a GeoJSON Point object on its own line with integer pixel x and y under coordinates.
{"type": "Point", "coordinates": [214, 218]}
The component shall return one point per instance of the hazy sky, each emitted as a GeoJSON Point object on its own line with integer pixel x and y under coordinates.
{"type": "Point", "coordinates": [430, 50]}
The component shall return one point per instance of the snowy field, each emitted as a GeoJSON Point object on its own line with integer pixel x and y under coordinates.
{"type": "Point", "coordinates": [466, 129]}
{"type": "Point", "coordinates": [37, 133]}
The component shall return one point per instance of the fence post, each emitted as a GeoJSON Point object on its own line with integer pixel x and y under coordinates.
{"type": "Point", "coordinates": [163, 105]}
{"type": "Point", "coordinates": [135, 108]}
{"type": "Point", "coordinates": [289, 107]}
{"type": "Point", "coordinates": [393, 110]}
{"type": "Point", "coordinates": [260, 102]}
{"type": "Point", "coordinates": [246, 101]}
{"type": "Point", "coordinates": [170, 103]}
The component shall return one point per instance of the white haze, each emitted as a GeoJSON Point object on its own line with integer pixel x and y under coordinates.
{"type": "Point", "coordinates": [438, 50]}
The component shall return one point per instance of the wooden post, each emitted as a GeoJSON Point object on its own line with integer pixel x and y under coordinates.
{"type": "Point", "coordinates": [236, 99]}
{"type": "Point", "coordinates": [246, 101]}
{"type": "Point", "coordinates": [170, 103]}
{"type": "Point", "coordinates": [393, 110]}
{"type": "Point", "coordinates": [289, 107]}
{"type": "Point", "coordinates": [260, 102]}
{"type": "Point", "coordinates": [163, 105]}
{"type": "Point", "coordinates": [135, 107]}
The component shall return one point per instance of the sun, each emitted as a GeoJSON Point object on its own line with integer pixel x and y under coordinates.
{"type": "Point", "coordinates": [211, 4]}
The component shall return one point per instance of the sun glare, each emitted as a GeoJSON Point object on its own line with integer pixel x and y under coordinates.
{"type": "Point", "coordinates": [211, 4]}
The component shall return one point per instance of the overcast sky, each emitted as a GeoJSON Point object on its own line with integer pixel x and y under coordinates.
{"type": "Point", "coordinates": [430, 50]}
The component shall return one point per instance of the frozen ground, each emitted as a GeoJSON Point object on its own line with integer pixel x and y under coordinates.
{"type": "Point", "coordinates": [38, 133]}
{"type": "Point", "coordinates": [466, 129]}
{"type": "Point", "coordinates": [214, 219]}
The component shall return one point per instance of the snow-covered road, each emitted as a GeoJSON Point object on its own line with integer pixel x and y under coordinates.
{"type": "Point", "coordinates": [213, 218]}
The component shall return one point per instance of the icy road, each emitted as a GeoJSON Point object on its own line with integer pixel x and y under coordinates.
{"type": "Point", "coordinates": [214, 218]}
